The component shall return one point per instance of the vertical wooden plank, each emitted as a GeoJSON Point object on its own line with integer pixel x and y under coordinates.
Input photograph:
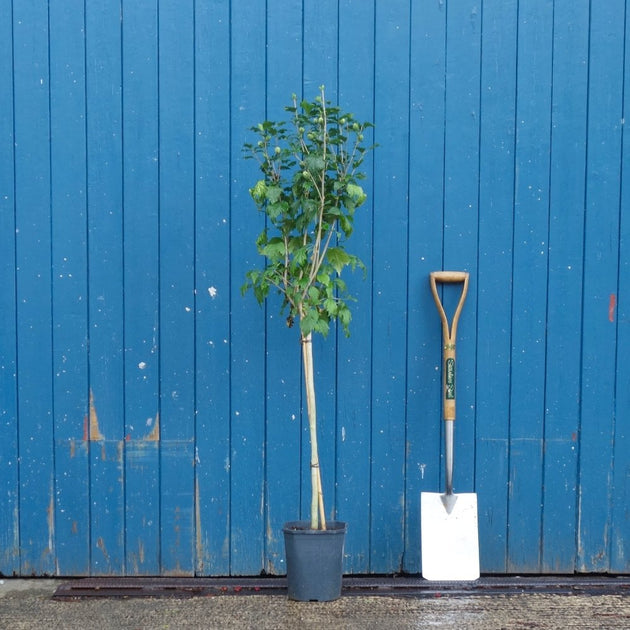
{"type": "Point", "coordinates": [283, 463]}
{"type": "Point", "coordinates": [356, 89]}
{"type": "Point", "coordinates": [426, 188]}
{"type": "Point", "coordinates": [391, 117]}
{"type": "Point", "coordinates": [9, 485]}
{"type": "Point", "coordinates": [212, 111]}
{"type": "Point", "coordinates": [177, 299]}
{"type": "Point", "coordinates": [141, 286]}
{"type": "Point", "coordinates": [33, 257]}
{"type": "Point", "coordinates": [531, 205]}
{"type": "Point", "coordinates": [105, 421]}
{"type": "Point", "coordinates": [247, 384]}
{"type": "Point", "coordinates": [600, 284]}
{"type": "Point", "coordinates": [461, 192]}
{"type": "Point", "coordinates": [320, 66]}
{"type": "Point", "coordinates": [620, 540]}
{"type": "Point", "coordinates": [564, 294]}
{"type": "Point", "coordinates": [70, 290]}
{"type": "Point", "coordinates": [494, 276]}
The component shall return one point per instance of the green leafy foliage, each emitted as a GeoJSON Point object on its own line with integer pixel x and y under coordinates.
{"type": "Point", "coordinates": [309, 192]}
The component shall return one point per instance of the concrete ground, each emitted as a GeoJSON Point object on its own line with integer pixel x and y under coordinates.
{"type": "Point", "coordinates": [26, 604]}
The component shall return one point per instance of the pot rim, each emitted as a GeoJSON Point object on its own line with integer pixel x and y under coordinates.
{"type": "Point", "coordinates": [304, 527]}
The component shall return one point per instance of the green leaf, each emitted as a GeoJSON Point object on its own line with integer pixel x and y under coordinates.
{"type": "Point", "coordinates": [313, 294]}
{"type": "Point", "coordinates": [275, 210]}
{"type": "Point", "coordinates": [299, 258]}
{"type": "Point", "coordinates": [338, 258]}
{"type": "Point", "coordinates": [322, 326]}
{"type": "Point", "coordinates": [346, 225]}
{"type": "Point", "coordinates": [273, 193]}
{"type": "Point", "coordinates": [345, 316]}
{"type": "Point", "coordinates": [259, 191]}
{"type": "Point", "coordinates": [314, 163]}
{"type": "Point", "coordinates": [274, 249]}
{"type": "Point", "coordinates": [309, 321]}
{"type": "Point", "coordinates": [356, 192]}
{"type": "Point", "coordinates": [331, 307]}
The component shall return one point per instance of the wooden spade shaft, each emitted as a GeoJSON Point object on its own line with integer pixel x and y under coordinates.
{"type": "Point", "coordinates": [449, 334]}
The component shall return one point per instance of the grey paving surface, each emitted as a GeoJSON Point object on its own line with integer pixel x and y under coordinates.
{"type": "Point", "coordinates": [29, 604]}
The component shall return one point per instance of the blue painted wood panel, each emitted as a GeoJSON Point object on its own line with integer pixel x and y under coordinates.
{"type": "Point", "coordinates": [9, 482]}
{"type": "Point", "coordinates": [601, 237]}
{"type": "Point", "coordinates": [529, 280]}
{"type": "Point", "coordinates": [105, 256]}
{"type": "Point", "coordinates": [141, 287]}
{"type": "Point", "coordinates": [152, 420]}
{"type": "Point", "coordinates": [353, 369]}
{"type": "Point", "coordinates": [69, 287]}
{"type": "Point", "coordinates": [565, 268]}
{"type": "Point", "coordinates": [425, 237]}
{"type": "Point", "coordinates": [247, 342]}
{"type": "Point", "coordinates": [494, 276]}
{"type": "Point", "coordinates": [284, 426]}
{"type": "Point", "coordinates": [620, 541]}
{"type": "Point", "coordinates": [213, 290]}
{"type": "Point", "coordinates": [33, 243]}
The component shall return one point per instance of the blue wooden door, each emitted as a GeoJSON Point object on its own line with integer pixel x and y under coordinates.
{"type": "Point", "coordinates": [151, 419]}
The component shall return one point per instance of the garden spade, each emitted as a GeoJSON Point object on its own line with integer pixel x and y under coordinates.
{"type": "Point", "coordinates": [448, 521]}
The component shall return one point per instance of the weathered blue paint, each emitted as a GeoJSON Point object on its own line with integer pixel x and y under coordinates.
{"type": "Point", "coordinates": [620, 542]}
{"type": "Point", "coordinates": [151, 419]}
{"type": "Point", "coordinates": [389, 292]}
{"type": "Point", "coordinates": [353, 367]}
{"type": "Point", "coordinates": [426, 187]}
{"type": "Point", "coordinates": [33, 288]}
{"type": "Point", "coordinates": [69, 287]}
{"type": "Point", "coordinates": [106, 307]}
{"type": "Point", "coordinates": [284, 429]}
{"type": "Point", "coordinates": [600, 351]}
{"type": "Point", "coordinates": [9, 481]}
{"type": "Point", "coordinates": [494, 276]}
{"type": "Point", "coordinates": [247, 323]}
{"type": "Point", "coordinates": [564, 295]}
{"type": "Point", "coordinates": [213, 302]}
{"type": "Point", "coordinates": [141, 286]}
{"type": "Point", "coordinates": [529, 280]}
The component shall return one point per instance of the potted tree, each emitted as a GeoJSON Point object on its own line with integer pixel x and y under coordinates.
{"type": "Point", "coordinates": [310, 189]}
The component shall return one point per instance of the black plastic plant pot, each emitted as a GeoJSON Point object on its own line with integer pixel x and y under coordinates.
{"type": "Point", "coordinates": [314, 560]}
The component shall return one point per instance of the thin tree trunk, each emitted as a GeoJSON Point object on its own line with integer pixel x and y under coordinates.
{"type": "Point", "coordinates": [318, 516]}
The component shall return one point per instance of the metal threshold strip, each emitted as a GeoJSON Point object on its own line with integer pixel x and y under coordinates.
{"type": "Point", "coordinates": [392, 586]}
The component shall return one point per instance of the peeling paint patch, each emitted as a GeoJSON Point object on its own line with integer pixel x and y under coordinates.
{"type": "Point", "coordinates": [198, 533]}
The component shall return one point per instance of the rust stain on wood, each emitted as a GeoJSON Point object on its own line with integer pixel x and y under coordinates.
{"type": "Point", "coordinates": [50, 518]}
{"type": "Point", "coordinates": [91, 429]}
{"type": "Point", "coordinates": [154, 436]}
{"type": "Point", "coordinates": [100, 543]}
{"type": "Point", "coordinates": [611, 307]}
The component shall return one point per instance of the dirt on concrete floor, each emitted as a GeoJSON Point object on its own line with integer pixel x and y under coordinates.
{"type": "Point", "coordinates": [26, 604]}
